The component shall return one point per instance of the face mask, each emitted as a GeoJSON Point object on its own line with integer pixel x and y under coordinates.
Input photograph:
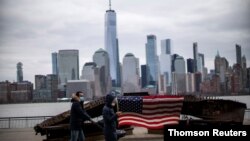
{"type": "Point", "coordinates": [113, 104]}
{"type": "Point", "coordinates": [81, 98]}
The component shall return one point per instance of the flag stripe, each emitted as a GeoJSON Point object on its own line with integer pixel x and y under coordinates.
{"type": "Point", "coordinates": [149, 123]}
{"type": "Point", "coordinates": [149, 117]}
{"type": "Point", "coordinates": [163, 105]}
{"type": "Point", "coordinates": [162, 96]}
{"type": "Point", "coordinates": [160, 102]}
{"type": "Point", "coordinates": [152, 121]}
{"type": "Point", "coordinates": [150, 126]}
{"type": "Point", "coordinates": [177, 109]}
{"type": "Point", "coordinates": [163, 100]}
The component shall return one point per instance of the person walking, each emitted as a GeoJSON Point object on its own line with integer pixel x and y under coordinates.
{"type": "Point", "coordinates": [110, 118]}
{"type": "Point", "coordinates": [77, 116]}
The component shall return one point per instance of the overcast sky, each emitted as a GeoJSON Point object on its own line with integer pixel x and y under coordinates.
{"type": "Point", "coordinates": [30, 30]}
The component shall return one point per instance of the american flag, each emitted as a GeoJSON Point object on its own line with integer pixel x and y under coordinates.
{"type": "Point", "coordinates": [152, 112]}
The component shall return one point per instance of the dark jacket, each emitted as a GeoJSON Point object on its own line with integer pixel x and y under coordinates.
{"type": "Point", "coordinates": [77, 115]}
{"type": "Point", "coordinates": [109, 118]}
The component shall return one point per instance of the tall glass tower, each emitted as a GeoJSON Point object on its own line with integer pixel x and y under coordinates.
{"type": "Point", "coordinates": [238, 54]}
{"type": "Point", "coordinates": [165, 59]}
{"type": "Point", "coordinates": [195, 53]}
{"type": "Point", "coordinates": [19, 67]}
{"type": "Point", "coordinates": [152, 59]}
{"type": "Point", "coordinates": [54, 63]}
{"type": "Point", "coordinates": [68, 66]}
{"type": "Point", "coordinates": [111, 46]}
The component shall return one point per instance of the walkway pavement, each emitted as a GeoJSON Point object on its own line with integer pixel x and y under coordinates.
{"type": "Point", "coordinates": [28, 134]}
{"type": "Point", "coordinates": [19, 134]}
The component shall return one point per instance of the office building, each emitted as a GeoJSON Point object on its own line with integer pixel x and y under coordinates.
{"type": "Point", "coordinates": [165, 66]}
{"type": "Point", "coordinates": [54, 63]}
{"type": "Point", "coordinates": [130, 74]}
{"type": "Point", "coordinates": [195, 53]}
{"type": "Point", "coordinates": [80, 85]}
{"type": "Point", "coordinates": [152, 59]}
{"type": "Point", "coordinates": [238, 54]}
{"type": "Point", "coordinates": [19, 72]}
{"type": "Point", "coordinates": [68, 66]}
{"type": "Point", "coordinates": [101, 59]}
{"type": "Point", "coordinates": [112, 47]}
{"type": "Point", "coordinates": [144, 76]}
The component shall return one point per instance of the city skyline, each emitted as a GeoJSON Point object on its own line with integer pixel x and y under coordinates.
{"type": "Point", "coordinates": [33, 45]}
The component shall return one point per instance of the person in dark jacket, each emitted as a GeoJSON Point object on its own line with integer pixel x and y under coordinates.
{"type": "Point", "coordinates": [110, 118]}
{"type": "Point", "coordinates": [77, 116]}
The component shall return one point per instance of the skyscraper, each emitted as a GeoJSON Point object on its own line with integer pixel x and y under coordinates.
{"type": "Point", "coordinates": [195, 53]}
{"type": "Point", "coordinates": [40, 82]}
{"type": "Point", "coordinates": [130, 75]}
{"type": "Point", "coordinates": [179, 64]}
{"type": "Point", "coordinates": [88, 71]}
{"type": "Point", "coordinates": [144, 76]}
{"type": "Point", "coordinates": [46, 87]}
{"type": "Point", "coordinates": [111, 46]}
{"type": "Point", "coordinates": [19, 67]}
{"type": "Point", "coordinates": [91, 72]}
{"type": "Point", "coordinates": [101, 58]}
{"type": "Point", "coordinates": [68, 66]}
{"type": "Point", "coordinates": [244, 71]}
{"type": "Point", "coordinates": [165, 59]}
{"type": "Point", "coordinates": [217, 62]}
{"type": "Point", "coordinates": [174, 56]}
{"type": "Point", "coordinates": [238, 54]}
{"type": "Point", "coordinates": [179, 76]}
{"type": "Point", "coordinates": [52, 84]}
{"type": "Point", "coordinates": [151, 59]}
{"type": "Point", "coordinates": [165, 66]}
{"type": "Point", "coordinates": [54, 63]}
{"type": "Point", "coordinates": [190, 65]}
{"type": "Point", "coordinates": [200, 61]}
{"type": "Point", "coordinates": [221, 66]}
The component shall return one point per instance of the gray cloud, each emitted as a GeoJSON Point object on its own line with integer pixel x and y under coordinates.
{"type": "Point", "coordinates": [30, 30]}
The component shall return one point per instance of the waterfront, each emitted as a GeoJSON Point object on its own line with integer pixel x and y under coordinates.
{"type": "Point", "coordinates": [31, 112]}
{"type": "Point", "coordinates": [33, 109]}
{"type": "Point", "coordinates": [52, 109]}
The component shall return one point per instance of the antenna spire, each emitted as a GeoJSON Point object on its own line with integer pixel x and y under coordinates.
{"type": "Point", "coordinates": [109, 4]}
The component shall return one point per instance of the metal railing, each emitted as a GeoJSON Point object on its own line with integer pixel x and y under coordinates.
{"type": "Point", "coordinates": [21, 122]}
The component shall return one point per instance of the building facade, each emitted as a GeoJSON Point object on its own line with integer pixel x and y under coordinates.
{"type": "Point", "coordinates": [144, 76]}
{"type": "Point", "coordinates": [101, 58]}
{"type": "Point", "coordinates": [152, 59]}
{"type": "Point", "coordinates": [19, 72]}
{"type": "Point", "coordinates": [190, 65]}
{"type": "Point", "coordinates": [46, 87]}
{"type": "Point", "coordinates": [238, 54]}
{"type": "Point", "coordinates": [68, 66]}
{"type": "Point", "coordinates": [54, 63]}
{"type": "Point", "coordinates": [195, 53]}
{"type": "Point", "coordinates": [130, 74]}
{"type": "Point", "coordinates": [91, 72]}
{"type": "Point", "coordinates": [179, 76]}
{"type": "Point", "coordinates": [112, 47]}
{"type": "Point", "coordinates": [80, 85]}
{"type": "Point", "coordinates": [165, 79]}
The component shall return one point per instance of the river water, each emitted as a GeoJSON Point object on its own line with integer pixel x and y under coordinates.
{"type": "Point", "coordinates": [33, 109]}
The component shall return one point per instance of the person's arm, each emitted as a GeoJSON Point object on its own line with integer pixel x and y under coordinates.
{"type": "Point", "coordinates": [109, 116]}
{"type": "Point", "coordinates": [82, 112]}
